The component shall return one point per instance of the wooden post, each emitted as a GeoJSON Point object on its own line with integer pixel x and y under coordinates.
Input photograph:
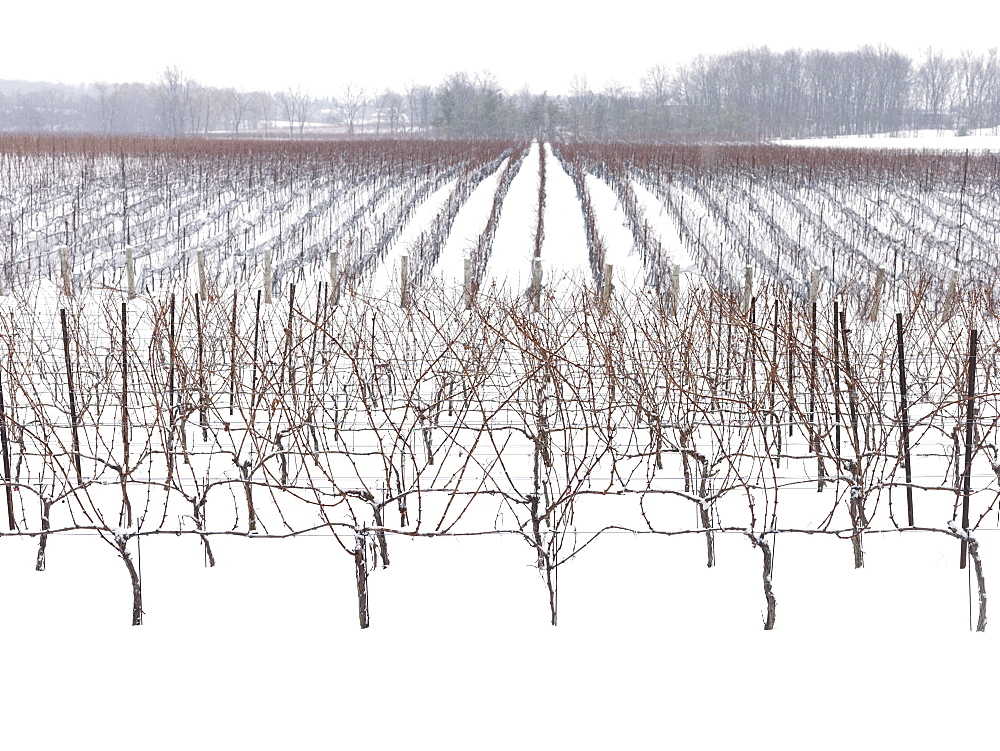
{"type": "Point", "coordinates": [856, 507]}
{"type": "Point", "coordinates": [268, 279]}
{"type": "Point", "coordinates": [747, 289]}
{"type": "Point", "coordinates": [772, 602]}
{"type": "Point", "coordinates": [404, 279]}
{"type": "Point", "coordinates": [467, 283]}
{"type": "Point", "coordinates": [608, 283]}
{"type": "Point", "coordinates": [773, 383]}
{"type": "Point", "coordinates": [877, 296]}
{"type": "Point", "coordinates": [813, 285]}
{"type": "Point", "coordinates": [256, 341]}
{"type": "Point", "coordinates": [790, 372]}
{"type": "Point", "coordinates": [130, 271]}
{"type": "Point", "coordinates": [836, 381]}
{"type": "Point", "coordinates": [335, 277]}
{"type": "Point", "coordinates": [536, 284]}
{"type": "Point", "coordinates": [675, 288]}
{"type": "Point", "coordinates": [750, 343]}
{"type": "Point", "coordinates": [361, 574]}
{"type": "Point", "coordinates": [232, 357]}
{"type": "Point", "coordinates": [126, 512]}
{"type": "Point", "coordinates": [289, 362]}
{"type": "Point", "coordinates": [852, 389]}
{"type": "Point", "coordinates": [11, 524]}
{"type": "Point", "coordinates": [970, 416]}
{"type": "Point", "coordinates": [202, 387]}
{"type": "Point", "coordinates": [311, 362]}
{"type": "Point", "coordinates": [170, 390]}
{"type": "Point", "coordinates": [202, 286]}
{"type": "Point", "coordinates": [121, 542]}
{"type": "Point", "coordinates": [45, 503]}
{"type": "Point", "coordinates": [72, 398]}
{"type": "Point", "coordinates": [813, 392]}
{"type": "Point", "coordinates": [949, 298]}
{"type": "Point", "coordinates": [66, 275]}
{"type": "Point", "coordinates": [904, 419]}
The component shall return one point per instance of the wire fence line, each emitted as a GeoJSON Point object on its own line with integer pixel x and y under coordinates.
{"type": "Point", "coordinates": [370, 418]}
{"type": "Point", "coordinates": [262, 383]}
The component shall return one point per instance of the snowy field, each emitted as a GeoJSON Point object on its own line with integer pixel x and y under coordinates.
{"type": "Point", "coordinates": [986, 139]}
{"type": "Point", "coordinates": [653, 648]}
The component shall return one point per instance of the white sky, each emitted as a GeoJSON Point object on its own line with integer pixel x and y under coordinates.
{"type": "Point", "coordinates": [391, 43]}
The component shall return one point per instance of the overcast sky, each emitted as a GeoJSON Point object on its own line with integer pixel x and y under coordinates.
{"type": "Point", "coordinates": [392, 43]}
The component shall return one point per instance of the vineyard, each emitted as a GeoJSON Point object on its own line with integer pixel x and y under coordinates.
{"type": "Point", "coordinates": [556, 344]}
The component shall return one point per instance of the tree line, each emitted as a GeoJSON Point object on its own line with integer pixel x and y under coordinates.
{"type": "Point", "coordinates": [750, 93]}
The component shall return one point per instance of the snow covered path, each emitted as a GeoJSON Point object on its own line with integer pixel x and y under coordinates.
{"type": "Point", "coordinates": [510, 260]}
{"type": "Point", "coordinates": [564, 250]}
{"type": "Point", "coordinates": [468, 224]}
{"type": "Point", "coordinates": [629, 271]}
{"type": "Point", "coordinates": [386, 276]}
{"type": "Point", "coordinates": [564, 245]}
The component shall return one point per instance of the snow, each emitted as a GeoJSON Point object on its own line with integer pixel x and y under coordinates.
{"type": "Point", "coordinates": [621, 254]}
{"type": "Point", "coordinates": [464, 233]}
{"type": "Point", "coordinates": [985, 139]}
{"type": "Point", "coordinates": [509, 265]}
{"type": "Point", "coordinates": [264, 651]}
{"type": "Point", "coordinates": [386, 275]}
{"type": "Point", "coordinates": [565, 245]}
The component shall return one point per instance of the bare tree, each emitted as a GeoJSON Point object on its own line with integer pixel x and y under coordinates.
{"type": "Point", "coordinates": [174, 94]}
{"type": "Point", "coordinates": [297, 104]}
{"type": "Point", "coordinates": [581, 104]}
{"type": "Point", "coordinates": [205, 108]}
{"type": "Point", "coordinates": [239, 106]}
{"type": "Point", "coordinates": [978, 77]}
{"type": "Point", "coordinates": [353, 99]}
{"type": "Point", "coordinates": [935, 81]}
{"type": "Point", "coordinates": [657, 87]}
{"type": "Point", "coordinates": [110, 97]}
{"type": "Point", "coordinates": [264, 108]}
{"type": "Point", "coordinates": [138, 111]}
{"type": "Point", "coordinates": [617, 103]}
{"type": "Point", "coordinates": [412, 98]}
{"type": "Point", "coordinates": [390, 106]}
{"type": "Point", "coordinates": [425, 106]}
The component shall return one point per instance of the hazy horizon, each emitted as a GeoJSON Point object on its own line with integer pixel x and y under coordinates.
{"type": "Point", "coordinates": [542, 48]}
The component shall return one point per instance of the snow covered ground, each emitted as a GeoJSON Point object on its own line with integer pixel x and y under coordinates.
{"type": "Point", "coordinates": [985, 139]}
{"type": "Point", "coordinates": [653, 650]}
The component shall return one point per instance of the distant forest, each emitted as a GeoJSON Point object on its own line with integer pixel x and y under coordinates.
{"type": "Point", "coordinates": [747, 94]}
